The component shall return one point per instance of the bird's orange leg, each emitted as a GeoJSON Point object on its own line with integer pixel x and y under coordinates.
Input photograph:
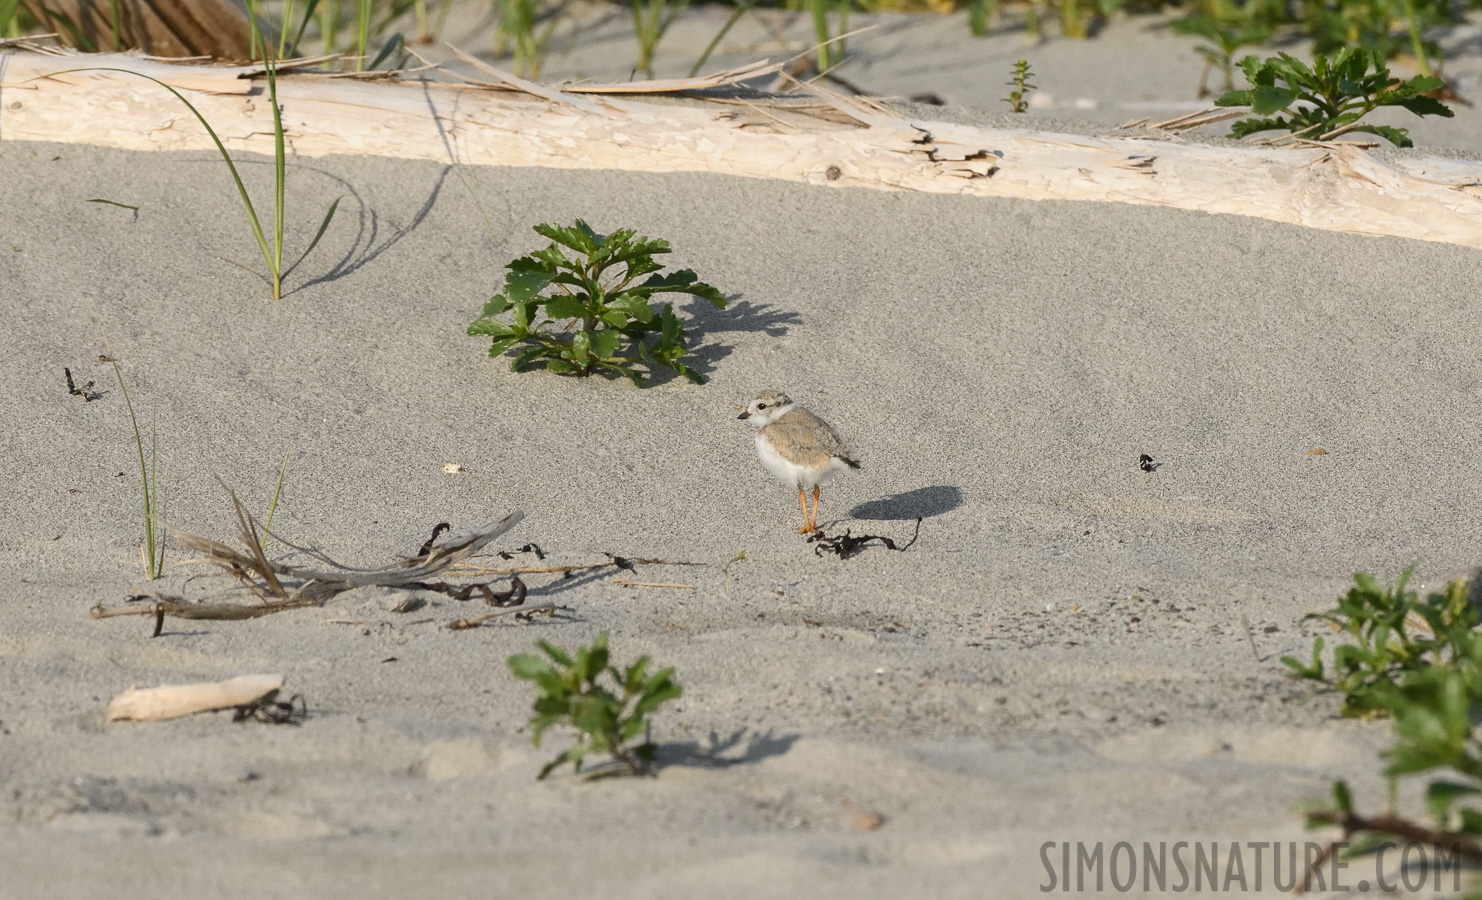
{"type": "Point", "coordinates": [815, 509]}
{"type": "Point", "coordinates": [803, 502]}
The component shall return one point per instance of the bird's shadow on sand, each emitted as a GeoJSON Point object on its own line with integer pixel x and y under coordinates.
{"type": "Point", "coordinates": [741, 747]}
{"type": "Point", "coordinates": [921, 503]}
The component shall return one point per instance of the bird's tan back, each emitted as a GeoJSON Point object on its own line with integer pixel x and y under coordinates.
{"type": "Point", "coordinates": [805, 439]}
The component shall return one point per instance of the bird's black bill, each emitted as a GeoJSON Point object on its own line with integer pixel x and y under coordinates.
{"type": "Point", "coordinates": [745, 415]}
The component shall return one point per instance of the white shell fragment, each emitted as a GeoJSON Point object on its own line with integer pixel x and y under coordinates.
{"type": "Point", "coordinates": [172, 701]}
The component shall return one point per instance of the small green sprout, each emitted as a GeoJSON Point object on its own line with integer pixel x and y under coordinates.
{"type": "Point", "coordinates": [1018, 98]}
{"type": "Point", "coordinates": [608, 708]}
{"type": "Point", "coordinates": [599, 303]}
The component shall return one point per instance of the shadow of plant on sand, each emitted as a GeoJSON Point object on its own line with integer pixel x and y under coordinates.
{"type": "Point", "coordinates": [705, 322]}
{"type": "Point", "coordinates": [741, 747]}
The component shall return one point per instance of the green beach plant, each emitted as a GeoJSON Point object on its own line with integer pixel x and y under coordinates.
{"type": "Point", "coordinates": [1018, 98]}
{"type": "Point", "coordinates": [152, 485]}
{"type": "Point", "coordinates": [601, 301]}
{"type": "Point", "coordinates": [651, 18]}
{"type": "Point", "coordinates": [979, 14]}
{"type": "Point", "coordinates": [831, 47]}
{"type": "Point", "coordinates": [1394, 632]}
{"type": "Point", "coordinates": [608, 707]}
{"type": "Point", "coordinates": [1418, 661]}
{"type": "Point", "coordinates": [272, 253]}
{"type": "Point", "coordinates": [1330, 97]}
{"type": "Point", "coordinates": [1225, 39]}
{"type": "Point", "coordinates": [525, 25]}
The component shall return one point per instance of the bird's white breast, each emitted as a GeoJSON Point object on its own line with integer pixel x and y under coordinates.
{"type": "Point", "coordinates": [791, 472]}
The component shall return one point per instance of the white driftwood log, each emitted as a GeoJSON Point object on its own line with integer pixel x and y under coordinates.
{"type": "Point", "coordinates": [171, 701]}
{"type": "Point", "coordinates": [837, 142]}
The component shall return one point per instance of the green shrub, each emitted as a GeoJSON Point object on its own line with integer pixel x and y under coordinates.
{"type": "Point", "coordinates": [598, 314]}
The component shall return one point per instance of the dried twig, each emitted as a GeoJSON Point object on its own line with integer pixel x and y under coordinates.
{"type": "Point", "coordinates": [525, 613]}
{"type": "Point", "coordinates": [1385, 823]}
{"type": "Point", "coordinates": [285, 586]}
{"type": "Point", "coordinates": [652, 584]}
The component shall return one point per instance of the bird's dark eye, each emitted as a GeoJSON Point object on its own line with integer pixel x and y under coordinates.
{"type": "Point", "coordinates": [761, 406]}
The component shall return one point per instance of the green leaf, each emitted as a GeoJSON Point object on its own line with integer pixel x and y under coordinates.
{"type": "Point", "coordinates": [531, 264]}
{"type": "Point", "coordinates": [1267, 99]}
{"type": "Point", "coordinates": [562, 306]}
{"type": "Point", "coordinates": [492, 327]}
{"type": "Point", "coordinates": [1400, 137]}
{"type": "Point", "coordinates": [580, 238]}
{"type": "Point", "coordinates": [500, 345]}
{"type": "Point", "coordinates": [1235, 98]}
{"type": "Point", "coordinates": [528, 357]}
{"type": "Point", "coordinates": [605, 343]}
{"type": "Point", "coordinates": [523, 286]}
{"type": "Point", "coordinates": [1440, 795]}
{"type": "Point", "coordinates": [496, 305]}
{"type": "Point", "coordinates": [560, 366]}
{"type": "Point", "coordinates": [581, 347]}
{"type": "Point", "coordinates": [1425, 106]}
{"type": "Point", "coordinates": [1342, 797]}
{"type": "Point", "coordinates": [528, 667]}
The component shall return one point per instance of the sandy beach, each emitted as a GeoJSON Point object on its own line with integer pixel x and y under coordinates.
{"type": "Point", "coordinates": [1072, 649]}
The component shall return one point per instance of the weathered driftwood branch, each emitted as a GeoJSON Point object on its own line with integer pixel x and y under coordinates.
{"type": "Point", "coordinates": [171, 701]}
{"type": "Point", "coordinates": [825, 140]}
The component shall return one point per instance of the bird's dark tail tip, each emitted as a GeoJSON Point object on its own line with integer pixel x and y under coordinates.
{"type": "Point", "coordinates": [851, 463]}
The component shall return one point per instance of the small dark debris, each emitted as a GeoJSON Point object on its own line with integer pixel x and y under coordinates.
{"type": "Point", "coordinates": [411, 604]}
{"type": "Point", "coordinates": [512, 597]}
{"type": "Point", "coordinates": [622, 562]}
{"type": "Point", "coordinates": [812, 623]}
{"type": "Point", "coordinates": [846, 545]}
{"type": "Point", "coordinates": [1157, 721]}
{"type": "Point", "coordinates": [833, 173]}
{"type": "Point", "coordinates": [1145, 463]}
{"type": "Point", "coordinates": [86, 392]}
{"type": "Point", "coordinates": [437, 532]}
{"type": "Point", "coordinates": [1270, 629]}
{"type": "Point", "coordinates": [389, 659]}
{"type": "Point", "coordinates": [528, 548]}
{"type": "Point", "coordinates": [271, 711]}
{"type": "Point", "coordinates": [928, 99]}
{"type": "Point", "coordinates": [103, 357]}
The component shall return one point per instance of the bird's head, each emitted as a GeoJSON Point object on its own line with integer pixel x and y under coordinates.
{"type": "Point", "coordinates": [766, 408]}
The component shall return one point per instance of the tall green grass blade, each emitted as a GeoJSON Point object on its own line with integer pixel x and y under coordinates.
{"type": "Point", "coordinates": [277, 492]}
{"type": "Point", "coordinates": [79, 38]}
{"type": "Point", "coordinates": [9, 13]}
{"type": "Point", "coordinates": [115, 21]}
{"type": "Point", "coordinates": [154, 555]}
{"type": "Point", "coordinates": [283, 32]}
{"type": "Point", "coordinates": [292, 50]}
{"type": "Point", "coordinates": [419, 12]}
{"type": "Point", "coordinates": [323, 226]}
{"type": "Point", "coordinates": [741, 9]}
{"type": "Point", "coordinates": [329, 26]}
{"type": "Point", "coordinates": [393, 43]}
{"type": "Point", "coordinates": [247, 207]}
{"type": "Point", "coordinates": [362, 33]}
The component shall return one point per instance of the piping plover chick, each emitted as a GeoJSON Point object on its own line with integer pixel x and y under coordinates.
{"type": "Point", "coordinates": [797, 447]}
